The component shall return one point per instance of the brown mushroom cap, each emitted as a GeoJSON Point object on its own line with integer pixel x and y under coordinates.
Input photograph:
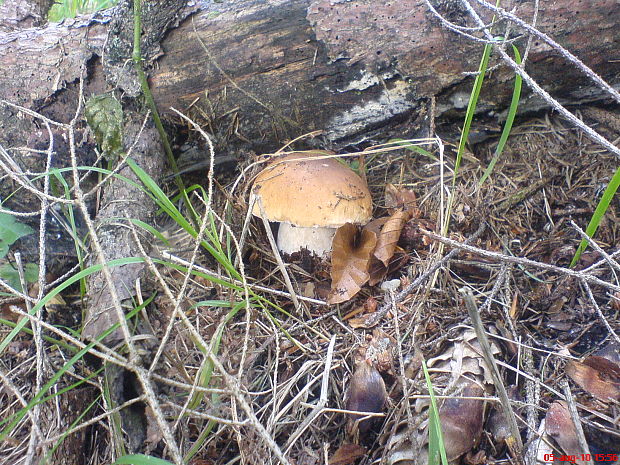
{"type": "Point", "coordinates": [309, 191]}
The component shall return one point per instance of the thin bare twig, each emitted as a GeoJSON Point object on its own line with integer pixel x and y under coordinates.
{"type": "Point", "coordinates": [278, 257]}
{"type": "Point", "coordinates": [532, 397]}
{"type": "Point", "coordinates": [612, 263]}
{"type": "Point", "coordinates": [600, 82]}
{"type": "Point", "coordinates": [574, 415]}
{"type": "Point", "coordinates": [382, 311]}
{"type": "Point", "coordinates": [503, 258]}
{"type": "Point", "coordinates": [591, 133]}
{"type": "Point", "coordinates": [598, 310]}
{"type": "Point", "coordinates": [318, 408]}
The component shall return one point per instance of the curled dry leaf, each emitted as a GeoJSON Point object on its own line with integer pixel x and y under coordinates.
{"type": "Point", "coordinates": [596, 375]}
{"type": "Point", "coordinates": [388, 232]}
{"type": "Point", "coordinates": [377, 270]}
{"type": "Point", "coordinates": [351, 254]}
{"type": "Point", "coordinates": [347, 454]}
{"type": "Point", "coordinates": [479, 458]}
{"type": "Point", "coordinates": [388, 238]}
{"type": "Point", "coordinates": [366, 394]}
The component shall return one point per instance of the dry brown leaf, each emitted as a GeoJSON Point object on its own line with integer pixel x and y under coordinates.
{"type": "Point", "coordinates": [7, 314]}
{"type": "Point", "coordinates": [560, 426]}
{"type": "Point", "coordinates": [389, 235]}
{"type": "Point", "coordinates": [377, 271]}
{"type": "Point", "coordinates": [388, 232]}
{"type": "Point", "coordinates": [369, 306]}
{"type": "Point", "coordinates": [365, 321]}
{"type": "Point", "coordinates": [347, 454]}
{"type": "Point", "coordinates": [412, 237]}
{"type": "Point", "coordinates": [596, 375]}
{"type": "Point", "coordinates": [376, 225]}
{"type": "Point", "coordinates": [351, 254]}
{"type": "Point", "coordinates": [399, 198]}
{"type": "Point", "coordinates": [367, 310]}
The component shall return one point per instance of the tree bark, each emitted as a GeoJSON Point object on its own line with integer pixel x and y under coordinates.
{"type": "Point", "coordinates": [266, 72]}
{"type": "Point", "coordinates": [19, 14]}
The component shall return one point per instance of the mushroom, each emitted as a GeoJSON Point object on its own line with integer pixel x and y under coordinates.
{"type": "Point", "coordinates": [310, 196]}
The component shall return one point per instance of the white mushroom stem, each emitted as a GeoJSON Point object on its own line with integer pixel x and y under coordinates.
{"type": "Point", "coordinates": [292, 239]}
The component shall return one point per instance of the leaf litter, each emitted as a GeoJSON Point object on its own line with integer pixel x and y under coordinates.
{"type": "Point", "coordinates": [280, 358]}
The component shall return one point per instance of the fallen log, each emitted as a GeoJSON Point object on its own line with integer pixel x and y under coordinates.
{"type": "Point", "coordinates": [265, 72]}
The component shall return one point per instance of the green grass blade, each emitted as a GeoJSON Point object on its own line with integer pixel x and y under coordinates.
{"type": "Point", "coordinates": [413, 148]}
{"type": "Point", "coordinates": [204, 434]}
{"type": "Point", "coordinates": [512, 111]}
{"type": "Point", "coordinates": [170, 209]}
{"type": "Point", "coordinates": [68, 209]}
{"type": "Point", "coordinates": [51, 340]}
{"type": "Point", "coordinates": [159, 196]}
{"type": "Point", "coordinates": [73, 425]}
{"type": "Point", "coordinates": [469, 116]}
{"type": "Point", "coordinates": [42, 400]}
{"type": "Point", "coordinates": [58, 289]}
{"type": "Point", "coordinates": [214, 279]}
{"type": "Point", "coordinates": [436, 448]}
{"type": "Point", "coordinates": [66, 367]}
{"type": "Point", "coordinates": [599, 212]}
{"type": "Point", "coordinates": [471, 107]}
{"type": "Point", "coordinates": [206, 371]}
{"type": "Point", "coordinates": [140, 459]}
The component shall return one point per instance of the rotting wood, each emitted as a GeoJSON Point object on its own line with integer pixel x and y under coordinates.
{"type": "Point", "coordinates": [266, 72]}
{"type": "Point", "coordinates": [19, 14]}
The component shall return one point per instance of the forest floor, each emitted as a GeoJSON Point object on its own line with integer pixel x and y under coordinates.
{"type": "Point", "coordinates": [554, 330]}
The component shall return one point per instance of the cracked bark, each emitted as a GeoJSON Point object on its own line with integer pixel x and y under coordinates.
{"type": "Point", "coordinates": [266, 72]}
